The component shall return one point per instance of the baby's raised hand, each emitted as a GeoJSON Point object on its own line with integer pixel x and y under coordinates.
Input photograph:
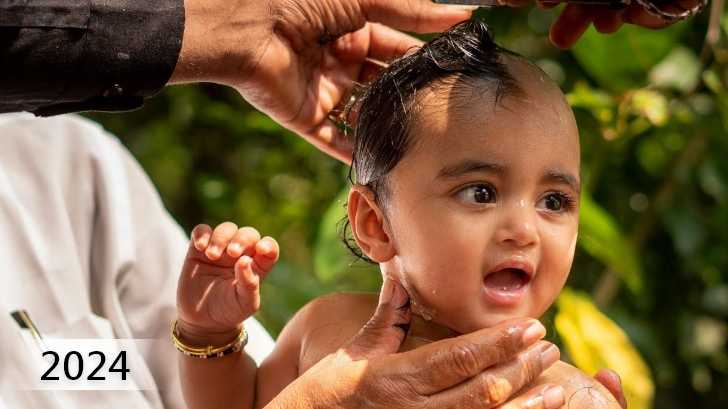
{"type": "Point", "coordinates": [220, 282]}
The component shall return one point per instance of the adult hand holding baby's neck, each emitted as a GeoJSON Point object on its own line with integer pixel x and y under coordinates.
{"type": "Point", "coordinates": [478, 370]}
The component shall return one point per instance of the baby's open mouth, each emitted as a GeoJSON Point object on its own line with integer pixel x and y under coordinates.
{"type": "Point", "coordinates": [506, 284]}
{"type": "Point", "coordinates": [509, 279]}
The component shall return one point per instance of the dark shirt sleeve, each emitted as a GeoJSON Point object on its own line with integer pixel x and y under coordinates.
{"type": "Point", "coordinates": [59, 56]}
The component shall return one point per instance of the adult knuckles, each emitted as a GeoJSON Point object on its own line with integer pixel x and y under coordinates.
{"type": "Point", "coordinates": [384, 387]}
{"type": "Point", "coordinates": [464, 359]}
{"type": "Point", "coordinates": [530, 364]}
{"type": "Point", "coordinates": [494, 389]}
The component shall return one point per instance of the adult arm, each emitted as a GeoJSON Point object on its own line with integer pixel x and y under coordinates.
{"type": "Point", "coordinates": [63, 56]}
{"type": "Point", "coordinates": [60, 56]}
{"type": "Point", "coordinates": [295, 60]}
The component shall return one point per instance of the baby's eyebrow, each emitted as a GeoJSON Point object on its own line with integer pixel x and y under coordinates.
{"type": "Point", "coordinates": [566, 178]}
{"type": "Point", "coordinates": [470, 166]}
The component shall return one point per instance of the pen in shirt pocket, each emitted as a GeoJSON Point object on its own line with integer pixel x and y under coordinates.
{"type": "Point", "coordinates": [29, 331]}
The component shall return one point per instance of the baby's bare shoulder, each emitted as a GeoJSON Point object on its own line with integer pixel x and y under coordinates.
{"type": "Point", "coordinates": [328, 322]}
{"type": "Point", "coordinates": [582, 391]}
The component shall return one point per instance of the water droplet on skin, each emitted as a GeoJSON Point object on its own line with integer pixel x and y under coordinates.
{"type": "Point", "coordinates": [427, 314]}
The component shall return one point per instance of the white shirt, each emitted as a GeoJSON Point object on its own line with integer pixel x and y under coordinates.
{"type": "Point", "coordinates": [87, 248]}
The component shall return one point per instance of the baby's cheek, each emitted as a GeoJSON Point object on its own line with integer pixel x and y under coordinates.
{"type": "Point", "coordinates": [554, 271]}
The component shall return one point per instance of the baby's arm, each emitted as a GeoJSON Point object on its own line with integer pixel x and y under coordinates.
{"type": "Point", "coordinates": [217, 290]}
{"type": "Point", "coordinates": [320, 328]}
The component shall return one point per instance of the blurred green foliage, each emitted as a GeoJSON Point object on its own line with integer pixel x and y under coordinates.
{"type": "Point", "coordinates": [652, 108]}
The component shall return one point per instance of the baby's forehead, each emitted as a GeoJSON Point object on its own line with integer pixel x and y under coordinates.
{"type": "Point", "coordinates": [459, 116]}
{"type": "Point", "coordinates": [531, 85]}
{"type": "Point", "coordinates": [458, 100]}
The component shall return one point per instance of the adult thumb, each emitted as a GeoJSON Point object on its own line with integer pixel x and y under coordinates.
{"type": "Point", "coordinates": [384, 332]}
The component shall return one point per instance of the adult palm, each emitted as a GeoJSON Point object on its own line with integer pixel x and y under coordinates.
{"type": "Point", "coordinates": [317, 50]}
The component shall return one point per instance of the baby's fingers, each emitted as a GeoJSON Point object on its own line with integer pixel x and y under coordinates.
{"type": "Point", "coordinates": [266, 255]}
{"type": "Point", "coordinates": [201, 236]}
{"type": "Point", "coordinates": [247, 285]}
{"type": "Point", "coordinates": [243, 242]}
{"type": "Point", "coordinates": [245, 279]}
{"type": "Point", "coordinates": [220, 238]}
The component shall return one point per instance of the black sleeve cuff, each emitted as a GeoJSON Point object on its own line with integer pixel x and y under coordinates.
{"type": "Point", "coordinates": [132, 46]}
{"type": "Point", "coordinates": [126, 52]}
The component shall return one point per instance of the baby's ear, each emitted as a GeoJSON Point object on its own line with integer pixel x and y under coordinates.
{"type": "Point", "coordinates": [368, 225]}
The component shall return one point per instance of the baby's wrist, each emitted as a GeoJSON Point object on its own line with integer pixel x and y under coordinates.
{"type": "Point", "coordinates": [196, 336]}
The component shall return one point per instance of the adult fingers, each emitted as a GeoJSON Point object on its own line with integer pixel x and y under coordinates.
{"type": "Point", "coordinates": [495, 385]}
{"type": "Point", "coordinates": [570, 25]}
{"type": "Point", "coordinates": [540, 397]}
{"type": "Point", "coordinates": [421, 16]}
{"type": "Point", "coordinates": [613, 383]}
{"type": "Point", "coordinates": [328, 138]}
{"type": "Point", "coordinates": [636, 14]}
{"type": "Point", "coordinates": [547, 4]}
{"type": "Point", "coordinates": [607, 21]}
{"type": "Point", "coordinates": [385, 331]}
{"type": "Point", "coordinates": [445, 363]}
{"type": "Point", "coordinates": [375, 41]}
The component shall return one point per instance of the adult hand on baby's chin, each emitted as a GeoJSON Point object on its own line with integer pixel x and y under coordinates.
{"type": "Point", "coordinates": [297, 60]}
{"type": "Point", "coordinates": [478, 370]}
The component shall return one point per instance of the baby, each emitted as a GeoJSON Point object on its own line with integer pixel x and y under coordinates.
{"type": "Point", "coordinates": [466, 191]}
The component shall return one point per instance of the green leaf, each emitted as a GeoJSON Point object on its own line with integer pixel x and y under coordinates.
{"type": "Point", "coordinates": [334, 264]}
{"type": "Point", "coordinates": [331, 258]}
{"type": "Point", "coordinates": [584, 96]}
{"type": "Point", "coordinates": [680, 70]}
{"type": "Point", "coordinates": [622, 60]}
{"type": "Point", "coordinates": [600, 236]}
{"type": "Point", "coordinates": [650, 104]}
{"type": "Point", "coordinates": [593, 341]}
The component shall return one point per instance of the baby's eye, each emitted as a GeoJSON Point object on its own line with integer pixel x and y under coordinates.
{"type": "Point", "coordinates": [479, 194]}
{"type": "Point", "coordinates": [556, 202]}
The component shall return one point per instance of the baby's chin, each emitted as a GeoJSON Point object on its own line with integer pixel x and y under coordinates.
{"type": "Point", "coordinates": [487, 321]}
{"type": "Point", "coordinates": [490, 317]}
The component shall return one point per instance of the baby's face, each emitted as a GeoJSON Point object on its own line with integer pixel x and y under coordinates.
{"type": "Point", "coordinates": [483, 209]}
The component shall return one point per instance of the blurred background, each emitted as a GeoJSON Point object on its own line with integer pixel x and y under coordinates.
{"type": "Point", "coordinates": [648, 293]}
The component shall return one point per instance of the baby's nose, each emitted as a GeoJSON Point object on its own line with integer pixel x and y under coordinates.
{"type": "Point", "coordinates": [517, 225]}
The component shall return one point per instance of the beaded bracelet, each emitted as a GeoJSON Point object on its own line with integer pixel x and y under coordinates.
{"type": "Point", "coordinates": [209, 351]}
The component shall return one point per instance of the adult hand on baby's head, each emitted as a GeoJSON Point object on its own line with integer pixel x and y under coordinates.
{"type": "Point", "coordinates": [297, 60]}
{"type": "Point", "coordinates": [575, 18]}
{"type": "Point", "coordinates": [219, 286]}
{"type": "Point", "coordinates": [479, 370]}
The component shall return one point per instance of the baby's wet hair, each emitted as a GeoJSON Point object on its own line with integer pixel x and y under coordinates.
{"type": "Point", "coordinates": [465, 56]}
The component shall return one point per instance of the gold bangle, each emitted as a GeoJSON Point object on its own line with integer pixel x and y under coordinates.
{"type": "Point", "coordinates": [209, 351]}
